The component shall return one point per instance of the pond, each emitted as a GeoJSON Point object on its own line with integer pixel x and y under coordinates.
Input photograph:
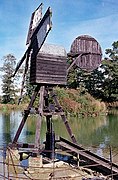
{"type": "Point", "coordinates": [96, 134]}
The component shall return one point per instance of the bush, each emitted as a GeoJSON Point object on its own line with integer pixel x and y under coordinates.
{"type": "Point", "coordinates": [78, 103]}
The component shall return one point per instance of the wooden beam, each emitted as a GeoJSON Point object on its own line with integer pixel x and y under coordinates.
{"type": "Point", "coordinates": [26, 113]}
{"type": "Point", "coordinates": [39, 120]}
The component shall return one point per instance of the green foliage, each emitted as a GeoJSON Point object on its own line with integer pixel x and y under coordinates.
{"type": "Point", "coordinates": [8, 87]}
{"type": "Point", "coordinates": [72, 76]}
{"type": "Point", "coordinates": [102, 83]}
{"type": "Point", "coordinates": [110, 66]}
{"type": "Point", "coordinates": [28, 87]}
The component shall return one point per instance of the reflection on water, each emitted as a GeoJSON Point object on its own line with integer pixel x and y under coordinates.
{"type": "Point", "coordinates": [95, 133]}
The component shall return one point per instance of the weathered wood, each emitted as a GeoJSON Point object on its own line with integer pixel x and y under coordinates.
{"type": "Point", "coordinates": [90, 50]}
{"type": "Point", "coordinates": [92, 160]}
{"type": "Point", "coordinates": [72, 64]}
{"type": "Point", "coordinates": [38, 37]}
{"type": "Point", "coordinates": [24, 75]}
{"type": "Point", "coordinates": [35, 19]}
{"type": "Point", "coordinates": [69, 130]}
{"type": "Point", "coordinates": [39, 120]}
{"type": "Point", "coordinates": [52, 82]}
{"type": "Point", "coordinates": [49, 67]}
{"type": "Point", "coordinates": [26, 113]}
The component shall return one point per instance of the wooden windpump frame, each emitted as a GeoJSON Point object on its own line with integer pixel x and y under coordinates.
{"type": "Point", "coordinates": [48, 68]}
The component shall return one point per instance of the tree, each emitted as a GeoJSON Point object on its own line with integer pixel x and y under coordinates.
{"type": "Point", "coordinates": [110, 66]}
{"type": "Point", "coordinates": [8, 86]}
{"type": "Point", "coordinates": [28, 87]}
{"type": "Point", "coordinates": [101, 83]}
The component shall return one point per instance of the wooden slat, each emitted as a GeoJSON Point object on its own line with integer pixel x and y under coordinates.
{"type": "Point", "coordinates": [85, 44]}
{"type": "Point", "coordinates": [91, 53]}
{"type": "Point", "coordinates": [50, 56]}
{"type": "Point", "coordinates": [51, 82]}
{"type": "Point", "coordinates": [48, 66]}
{"type": "Point", "coordinates": [51, 76]}
{"type": "Point", "coordinates": [50, 69]}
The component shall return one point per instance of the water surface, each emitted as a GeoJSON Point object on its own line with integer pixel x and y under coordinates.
{"type": "Point", "coordinates": [96, 134]}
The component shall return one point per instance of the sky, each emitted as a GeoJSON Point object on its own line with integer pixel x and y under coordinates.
{"type": "Point", "coordinates": [70, 19]}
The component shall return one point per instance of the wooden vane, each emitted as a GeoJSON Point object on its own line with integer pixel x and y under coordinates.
{"type": "Point", "coordinates": [35, 20]}
{"type": "Point", "coordinates": [37, 37]}
{"type": "Point", "coordinates": [86, 52]}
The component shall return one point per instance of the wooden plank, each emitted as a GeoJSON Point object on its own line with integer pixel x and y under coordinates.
{"type": "Point", "coordinates": [51, 82]}
{"type": "Point", "coordinates": [90, 158]}
{"type": "Point", "coordinates": [50, 56]}
{"type": "Point", "coordinates": [49, 68]}
{"type": "Point", "coordinates": [51, 65]}
{"type": "Point", "coordinates": [50, 73]}
{"type": "Point", "coordinates": [50, 62]}
{"type": "Point", "coordinates": [48, 80]}
{"type": "Point", "coordinates": [44, 76]}
{"type": "Point", "coordinates": [86, 44]}
{"type": "Point", "coordinates": [39, 120]}
{"type": "Point", "coordinates": [51, 78]}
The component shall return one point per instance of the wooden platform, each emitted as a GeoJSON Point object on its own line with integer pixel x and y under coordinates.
{"type": "Point", "coordinates": [90, 159]}
{"type": "Point", "coordinates": [40, 168]}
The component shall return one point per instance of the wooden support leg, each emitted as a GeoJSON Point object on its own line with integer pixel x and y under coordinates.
{"type": "Point", "coordinates": [24, 75]}
{"type": "Point", "coordinates": [26, 113]}
{"type": "Point", "coordinates": [78, 160]}
{"type": "Point", "coordinates": [69, 130]}
{"type": "Point", "coordinates": [39, 120]}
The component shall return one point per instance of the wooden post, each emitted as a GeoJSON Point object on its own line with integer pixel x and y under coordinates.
{"type": "Point", "coordinates": [28, 57]}
{"type": "Point", "coordinates": [69, 130]}
{"type": "Point", "coordinates": [72, 64]}
{"type": "Point", "coordinates": [4, 164]}
{"type": "Point", "coordinates": [38, 124]}
{"type": "Point", "coordinates": [8, 162]}
{"type": "Point", "coordinates": [111, 162]}
{"type": "Point", "coordinates": [78, 159]}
